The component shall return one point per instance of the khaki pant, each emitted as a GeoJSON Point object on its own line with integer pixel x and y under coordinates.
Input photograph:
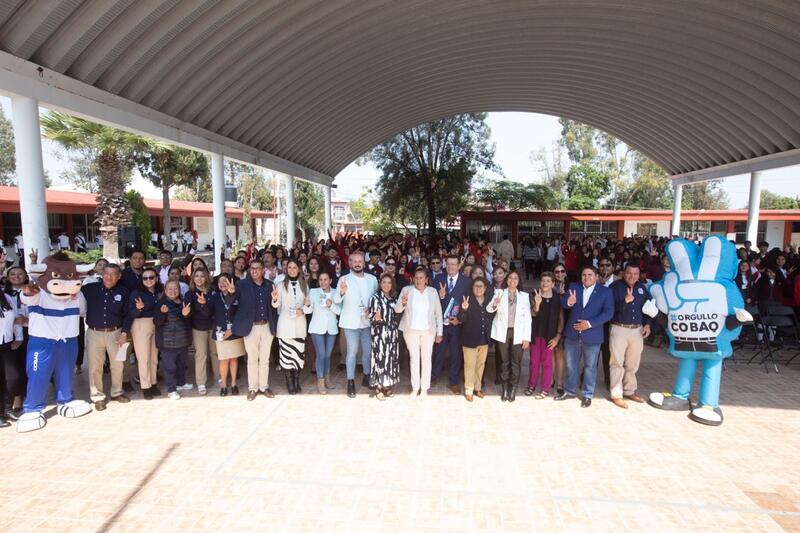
{"type": "Point", "coordinates": [204, 345]}
{"type": "Point", "coordinates": [98, 343]}
{"type": "Point", "coordinates": [626, 346]}
{"type": "Point", "coordinates": [258, 345]}
{"type": "Point", "coordinates": [420, 350]}
{"type": "Point", "coordinates": [474, 361]}
{"type": "Point", "coordinates": [143, 332]}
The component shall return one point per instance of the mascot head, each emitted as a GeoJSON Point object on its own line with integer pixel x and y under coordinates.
{"type": "Point", "coordinates": [59, 276]}
{"type": "Point", "coordinates": [698, 295]}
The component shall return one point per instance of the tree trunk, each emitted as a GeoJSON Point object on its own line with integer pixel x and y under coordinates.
{"type": "Point", "coordinates": [112, 204]}
{"type": "Point", "coordinates": [167, 216]}
{"type": "Point", "coordinates": [431, 205]}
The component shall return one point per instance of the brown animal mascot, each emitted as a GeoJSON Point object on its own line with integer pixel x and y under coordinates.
{"type": "Point", "coordinates": [54, 308]}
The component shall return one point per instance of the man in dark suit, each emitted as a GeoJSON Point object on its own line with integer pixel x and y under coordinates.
{"type": "Point", "coordinates": [452, 287]}
{"type": "Point", "coordinates": [256, 321]}
{"type": "Point", "coordinates": [590, 306]}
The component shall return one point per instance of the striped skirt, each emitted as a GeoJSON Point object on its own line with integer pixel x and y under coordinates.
{"type": "Point", "coordinates": [292, 353]}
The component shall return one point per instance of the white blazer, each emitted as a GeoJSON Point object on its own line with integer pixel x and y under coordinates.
{"type": "Point", "coordinates": [9, 332]}
{"type": "Point", "coordinates": [434, 318]}
{"type": "Point", "coordinates": [521, 321]}
{"type": "Point", "coordinates": [350, 316]}
{"type": "Point", "coordinates": [291, 326]}
{"type": "Point", "coordinates": [324, 319]}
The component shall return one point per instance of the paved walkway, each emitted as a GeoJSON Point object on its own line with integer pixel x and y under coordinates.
{"type": "Point", "coordinates": [317, 463]}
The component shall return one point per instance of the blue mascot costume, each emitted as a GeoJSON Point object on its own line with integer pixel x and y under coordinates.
{"type": "Point", "coordinates": [54, 305]}
{"type": "Point", "coordinates": [704, 314]}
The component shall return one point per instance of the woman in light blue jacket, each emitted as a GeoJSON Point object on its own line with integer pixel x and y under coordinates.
{"type": "Point", "coordinates": [324, 327]}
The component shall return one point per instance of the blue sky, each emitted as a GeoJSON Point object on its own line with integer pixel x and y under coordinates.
{"type": "Point", "coordinates": [515, 135]}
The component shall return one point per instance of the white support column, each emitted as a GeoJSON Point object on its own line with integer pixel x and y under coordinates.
{"type": "Point", "coordinates": [218, 195]}
{"type": "Point", "coordinates": [328, 217]}
{"type": "Point", "coordinates": [676, 211]}
{"type": "Point", "coordinates": [290, 219]}
{"type": "Point", "coordinates": [754, 208]}
{"type": "Point", "coordinates": [30, 176]}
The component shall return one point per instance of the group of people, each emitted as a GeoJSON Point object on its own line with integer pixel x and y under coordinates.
{"type": "Point", "coordinates": [440, 302]}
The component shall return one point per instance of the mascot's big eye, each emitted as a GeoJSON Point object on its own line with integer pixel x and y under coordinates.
{"type": "Point", "coordinates": [55, 275]}
{"type": "Point", "coordinates": [71, 275]}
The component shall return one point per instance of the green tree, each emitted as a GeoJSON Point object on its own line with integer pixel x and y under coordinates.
{"type": "Point", "coordinates": [428, 170]}
{"type": "Point", "coordinates": [649, 188]}
{"type": "Point", "coordinates": [309, 208]}
{"type": "Point", "coordinates": [115, 152]}
{"type": "Point", "coordinates": [82, 169]}
{"type": "Point", "coordinates": [367, 209]}
{"type": "Point", "coordinates": [7, 161]}
{"type": "Point", "coordinates": [140, 217]}
{"type": "Point", "coordinates": [168, 166]}
{"type": "Point", "coordinates": [586, 185]}
{"type": "Point", "coordinates": [551, 164]}
{"type": "Point", "coordinates": [770, 200]}
{"type": "Point", "coordinates": [506, 195]}
{"type": "Point", "coordinates": [704, 195]}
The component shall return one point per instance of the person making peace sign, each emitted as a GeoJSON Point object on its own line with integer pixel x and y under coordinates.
{"type": "Point", "coordinates": [476, 319]}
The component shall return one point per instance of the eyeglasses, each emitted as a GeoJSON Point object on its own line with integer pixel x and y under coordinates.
{"type": "Point", "coordinates": [560, 271]}
{"type": "Point", "coordinates": [390, 264]}
{"type": "Point", "coordinates": [148, 278]}
{"type": "Point", "coordinates": [436, 262]}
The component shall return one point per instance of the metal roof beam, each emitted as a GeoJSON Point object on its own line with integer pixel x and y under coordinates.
{"type": "Point", "coordinates": [62, 93]}
{"type": "Point", "coordinates": [766, 162]}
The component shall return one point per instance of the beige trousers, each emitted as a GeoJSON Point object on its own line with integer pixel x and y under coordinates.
{"type": "Point", "coordinates": [143, 332]}
{"type": "Point", "coordinates": [420, 350]}
{"type": "Point", "coordinates": [98, 343]}
{"type": "Point", "coordinates": [258, 345]}
{"type": "Point", "coordinates": [474, 361]}
{"type": "Point", "coordinates": [204, 345]}
{"type": "Point", "coordinates": [626, 346]}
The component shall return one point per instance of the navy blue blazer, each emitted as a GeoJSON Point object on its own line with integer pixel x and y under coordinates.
{"type": "Point", "coordinates": [460, 289]}
{"type": "Point", "coordinates": [599, 310]}
{"type": "Point", "coordinates": [245, 316]}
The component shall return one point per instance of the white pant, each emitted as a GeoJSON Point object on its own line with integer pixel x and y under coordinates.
{"type": "Point", "coordinates": [420, 349]}
{"type": "Point", "coordinates": [258, 345]}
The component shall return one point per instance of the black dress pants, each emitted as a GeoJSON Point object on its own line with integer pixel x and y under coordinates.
{"type": "Point", "coordinates": [510, 358]}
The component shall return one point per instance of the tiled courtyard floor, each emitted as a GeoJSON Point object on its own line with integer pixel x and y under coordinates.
{"type": "Point", "coordinates": [329, 463]}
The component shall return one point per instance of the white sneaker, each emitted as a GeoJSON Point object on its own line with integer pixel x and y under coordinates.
{"type": "Point", "coordinates": [201, 390]}
{"type": "Point", "coordinates": [185, 386]}
{"type": "Point", "coordinates": [174, 396]}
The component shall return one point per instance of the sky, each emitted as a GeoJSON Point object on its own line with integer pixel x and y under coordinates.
{"type": "Point", "coordinates": [516, 136]}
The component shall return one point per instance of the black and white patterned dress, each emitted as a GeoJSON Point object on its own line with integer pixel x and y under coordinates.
{"type": "Point", "coordinates": [385, 358]}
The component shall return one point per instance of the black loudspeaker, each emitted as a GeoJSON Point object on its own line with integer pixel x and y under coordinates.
{"type": "Point", "coordinates": [129, 239]}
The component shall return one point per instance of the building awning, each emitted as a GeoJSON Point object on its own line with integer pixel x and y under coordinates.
{"type": "Point", "coordinates": [79, 203]}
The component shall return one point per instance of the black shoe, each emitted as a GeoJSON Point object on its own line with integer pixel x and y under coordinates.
{"type": "Point", "coordinates": [351, 388]}
{"type": "Point", "coordinates": [504, 396]}
{"type": "Point", "coordinates": [289, 382]}
{"type": "Point", "coordinates": [223, 391]}
{"type": "Point", "coordinates": [563, 396]}
{"type": "Point", "coordinates": [268, 393]}
{"type": "Point", "coordinates": [147, 394]}
{"type": "Point", "coordinates": [235, 390]}
{"type": "Point", "coordinates": [15, 413]}
{"type": "Point", "coordinates": [512, 393]}
{"type": "Point", "coordinates": [559, 391]}
{"type": "Point", "coordinates": [365, 381]}
{"type": "Point", "coordinates": [529, 391]}
{"type": "Point", "coordinates": [127, 386]}
{"type": "Point", "coordinates": [4, 423]}
{"type": "Point", "coordinates": [155, 391]}
{"type": "Point", "coordinates": [586, 402]}
{"type": "Point", "coordinates": [100, 405]}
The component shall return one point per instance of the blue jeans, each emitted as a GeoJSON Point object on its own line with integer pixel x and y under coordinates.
{"type": "Point", "coordinates": [353, 338]}
{"type": "Point", "coordinates": [323, 345]}
{"type": "Point", "coordinates": [574, 349]}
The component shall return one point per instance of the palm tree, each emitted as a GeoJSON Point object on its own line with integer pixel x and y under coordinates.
{"type": "Point", "coordinates": [170, 166]}
{"type": "Point", "coordinates": [115, 152]}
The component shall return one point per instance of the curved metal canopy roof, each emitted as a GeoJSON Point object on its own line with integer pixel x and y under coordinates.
{"type": "Point", "coordinates": [693, 84]}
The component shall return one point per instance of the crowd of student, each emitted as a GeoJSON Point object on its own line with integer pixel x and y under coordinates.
{"type": "Point", "coordinates": [440, 302]}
